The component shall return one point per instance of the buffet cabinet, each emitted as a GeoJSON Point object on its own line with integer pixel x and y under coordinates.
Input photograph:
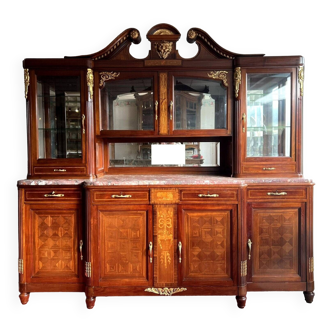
{"type": "Point", "coordinates": [165, 176]}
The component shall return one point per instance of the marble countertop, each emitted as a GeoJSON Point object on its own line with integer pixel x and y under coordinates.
{"type": "Point", "coordinates": [163, 180]}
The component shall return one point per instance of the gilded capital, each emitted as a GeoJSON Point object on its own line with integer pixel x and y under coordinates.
{"type": "Point", "coordinates": [89, 80]}
{"type": "Point", "coordinates": [237, 80]}
{"type": "Point", "coordinates": [26, 82]}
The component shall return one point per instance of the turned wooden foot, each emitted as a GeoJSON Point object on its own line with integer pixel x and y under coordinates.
{"type": "Point", "coordinates": [241, 301]}
{"type": "Point", "coordinates": [90, 302]}
{"type": "Point", "coordinates": [309, 296]}
{"type": "Point", "coordinates": [24, 297]}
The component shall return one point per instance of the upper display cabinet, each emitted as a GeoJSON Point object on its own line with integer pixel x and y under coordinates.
{"type": "Point", "coordinates": [105, 113]}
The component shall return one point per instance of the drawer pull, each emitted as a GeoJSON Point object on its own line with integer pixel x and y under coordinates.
{"type": "Point", "coordinates": [269, 168]}
{"type": "Point", "coordinates": [208, 195]}
{"type": "Point", "coordinates": [53, 194]}
{"type": "Point", "coordinates": [282, 193]}
{"type": "Point", "coordinates": [59, 170]}
{"type": "Point", "coordinates": [121, 196]}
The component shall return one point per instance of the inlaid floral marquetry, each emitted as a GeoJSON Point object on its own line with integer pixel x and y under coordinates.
{"type": "Point", "coordinates": [164, 196]}
{"type": "Point", "coordinates": [165, 216]}
{"type": "Point", "coordinates": [163, 123]}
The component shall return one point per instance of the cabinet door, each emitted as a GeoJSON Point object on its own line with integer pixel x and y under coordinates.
{"type": "Point", "coordinates": [52, 242]}
{"type": "Point", "coordinates": [58, 123]}
{"type": "Point", "coordinates": [208, 234]}
{"type": "Point", "coordinates": [267, 121]}
{"type": "Point", "coordinates": [128, 104]}
{"type": "Point", "coordinates": [120, 245]}
{"type": "Point", "coordinates": [277, 231]}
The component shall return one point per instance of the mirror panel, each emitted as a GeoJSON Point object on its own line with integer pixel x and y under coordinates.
{"type": "Point", "coordinates": [127, 104]}
{"type": "Point", "coordinates": [197, 154]}
{"type": "Point", "coordinates": [199, 104]}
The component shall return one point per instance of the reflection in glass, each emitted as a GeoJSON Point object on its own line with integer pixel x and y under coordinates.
{"type": "Point", "coordinates": [197, 154]}
{"type": "Point", "coordinates": [59, 117]}
{"type": "Point", "coordinates": [199, 104]}
{"type": "Point", "coordinates": [268, 115]}
{"type": "Point", "coordinates": [127, 105]}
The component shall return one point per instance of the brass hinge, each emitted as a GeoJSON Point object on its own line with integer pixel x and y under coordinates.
{"type": "Point", "coordinates": [20, 266]}
{"type": "Point", "coordinates": [88, 269]}
{"type": "Point", "coordinates": [244, 268]}
{"type": "Point", "coordinates": [311, 264]}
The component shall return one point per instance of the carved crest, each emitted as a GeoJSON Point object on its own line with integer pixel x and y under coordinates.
{"type": "Point", "coordinates": [164, 48]}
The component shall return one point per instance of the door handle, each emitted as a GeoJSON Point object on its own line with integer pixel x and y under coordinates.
{"type": "Point", "coordinates": [151, 252]}
{"type": "Point", "coordinates": [180, 251]}
{"type": "Point", "coordinates": [81, 249]}
{"type": "Point", "coordinates": [249, 245]}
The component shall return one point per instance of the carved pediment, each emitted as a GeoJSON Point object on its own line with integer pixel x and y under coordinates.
{"type": "Point", "coordinates": [163, 38]}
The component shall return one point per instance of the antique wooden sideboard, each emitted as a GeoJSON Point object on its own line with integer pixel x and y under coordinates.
{"type": "Point", "coordinates": [165, 175]}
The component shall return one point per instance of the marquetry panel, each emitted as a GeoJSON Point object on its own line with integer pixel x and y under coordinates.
{"type": "Point", "coordinates": [163, 119]}
{"type": "Point", "coordinates": [275, 243]}
{"type": "Point", "coordinates": [207, 244]}
{"type": "Point", "coordinates": [123, 247]}
{"type": "Point", "coordinates": [55, 243]}
{"type": "Point", "coordinates": [164, 229]}
{"type": "Point", "coordinates": [164, 196]}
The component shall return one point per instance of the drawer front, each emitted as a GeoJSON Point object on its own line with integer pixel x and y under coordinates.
{"type": "Point", "coordinates": [121, 196]}
{"type": "Point", "coordinates": [277, 193]}
{"type": "Point", "coordinates": [63, 171]}
{"type": "Point", "coordinates": [52, 194]}
{"type": "Point", "coordinates": [207, 195]}
{"type": "Point", "coordinates": [268, 169]}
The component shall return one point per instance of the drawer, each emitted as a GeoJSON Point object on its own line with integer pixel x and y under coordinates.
{"type": "Point", "coordinates": [205, 195]}
{"type": "Point", "coordinates": [63, 171]}
{"type": "Point", "coordinates": [277, 193]}
{"type": "Point", "coordinates": [266, 169]}
{"type": "Point", "coordinates": [52, 194]}
{"type": "Point", "coordinates": [121, 196]}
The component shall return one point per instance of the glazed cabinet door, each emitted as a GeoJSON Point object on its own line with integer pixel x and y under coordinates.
{"type": "Point", "coordinates": [277, 233]}
{"type": "Point", "coordinates": [121, 240]}
{"type": "Point", "coordinates": [58, 123]}
{"type": "Point", "coordinates": [268, 122]}
{"type": "Point", "coordinates": [53, 246]}
{"type": "Point", "coordinates": [207, 243]}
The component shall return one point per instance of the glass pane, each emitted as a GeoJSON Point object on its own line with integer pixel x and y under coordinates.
{"type": "Point", "coordinates": [59, 117]}
{"type": "Point", "coordinates": [199, 104]}
{"type": "Point", "coordinates": [127, 105]}
{"type": "Point", "coordinates": [268, 115]}
{"type": "Point", "coordinates": [197, 154]}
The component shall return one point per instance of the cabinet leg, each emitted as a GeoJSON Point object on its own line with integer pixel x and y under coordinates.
{"type": "Point", "coordinates": [90, 302]}
{"type": "Point", "coordinates": [24, 297]}
{"type": "Point", "coordinates": [241, 301]}
{"type": "Point", "coordinates": [309, 296]}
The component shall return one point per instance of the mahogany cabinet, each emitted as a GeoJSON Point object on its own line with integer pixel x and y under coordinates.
{"type": "Point", "coordinates": [165, 175]}
{"type": "Point", "coordinates": [51, 240]}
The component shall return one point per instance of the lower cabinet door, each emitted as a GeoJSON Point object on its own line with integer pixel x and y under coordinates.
{"type": "Point", "coordinates": [52, 242]}
{"type": "Point", "coordinates": [277, 232]}
{"type": "Point", "coordinates": [120, 245]}
{"type": "Point", "coordinates": [208, 240]}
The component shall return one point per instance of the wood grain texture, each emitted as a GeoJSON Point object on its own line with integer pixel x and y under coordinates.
{"type": "Point", "coordinates": [163, 109]}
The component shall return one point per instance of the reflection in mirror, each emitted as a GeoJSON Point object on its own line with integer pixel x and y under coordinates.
{"type": "Point", "coordinates": [197, 154]}
{"type": "Point", "coordinates": [268, 115]}
{"type": "Point", "coordinates": [59, 117]}
{"type": "Point", "coordinates": [127, 105]}
{"type": "Point", "coordinates": [199, 104]}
